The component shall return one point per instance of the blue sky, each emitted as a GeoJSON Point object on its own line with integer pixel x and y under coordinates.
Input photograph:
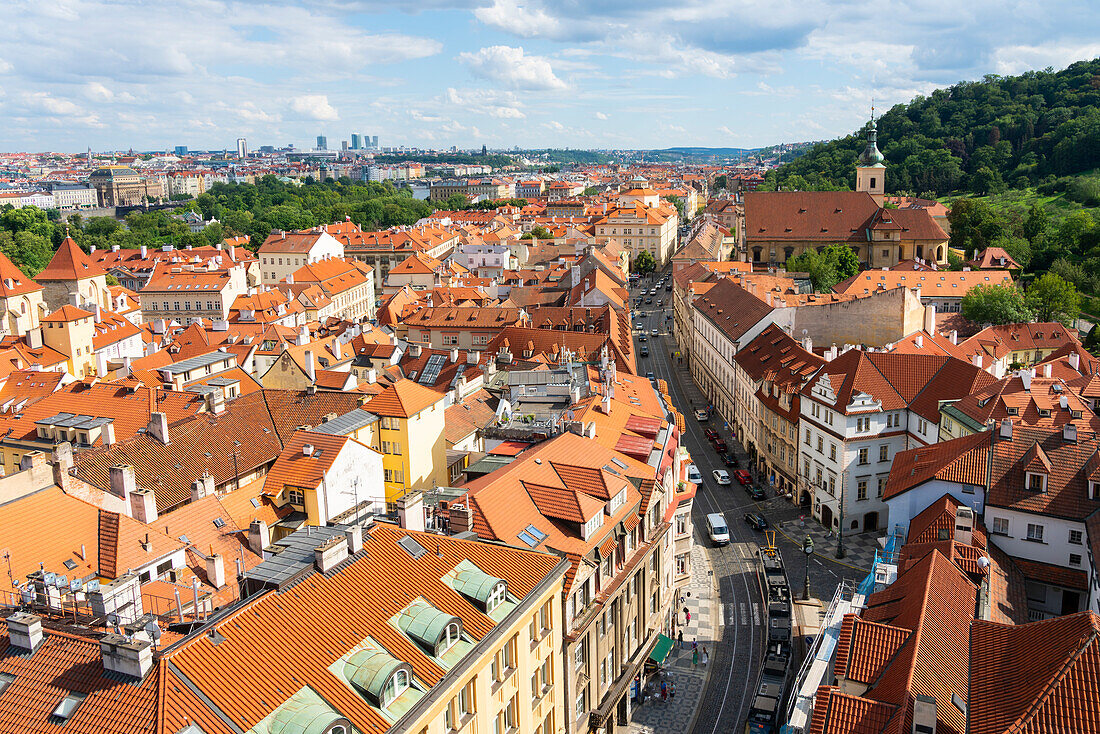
{"type": "Point", "coordinates": [113, 74]}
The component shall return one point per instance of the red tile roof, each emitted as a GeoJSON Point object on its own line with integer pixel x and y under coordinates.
{"type": "Point", "coordinates": [403, 399]}
{"type": "Point", "coordinates": [1035, 678]}
{"type": "Point", "coordinates": [70, 263]}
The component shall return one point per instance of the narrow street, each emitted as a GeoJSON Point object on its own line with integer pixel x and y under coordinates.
{"type": "Point", "coordinates": [737, 655]}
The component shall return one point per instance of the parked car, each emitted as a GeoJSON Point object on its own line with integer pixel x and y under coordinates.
{"type": "Point", "coordinates": [729, 460]}
{"type": "Point", "coordinates": [720, 447]}
{"type": "Point", "coordinates": [743, 477]}
{"type": "Point", "coordinates": [721, 476]}
{"type": "Point", "coordinates": [701, 414]}
{"type": "Point", "coordinates": [711, 434]}
{"type": "Point", "coordinates": [756, 493]}
{"type": "Point", "coordinates": [649, 299]}
{"type": "Point", "coordinates": [644, 351]}
{"type": "Point", "coordinates": [756, 521]}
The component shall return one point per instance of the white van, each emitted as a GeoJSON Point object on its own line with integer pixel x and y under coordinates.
{"type": "Point", "coordinates": [717, 529]}
{"type": "Point", "coordinates": [693, 474]}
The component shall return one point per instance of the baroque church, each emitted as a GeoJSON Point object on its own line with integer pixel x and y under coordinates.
{"type": "Point", "coordinates": [783, 224]}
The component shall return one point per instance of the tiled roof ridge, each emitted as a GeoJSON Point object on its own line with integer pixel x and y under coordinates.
{"type": "Point", "coordinates": [1089, 637]}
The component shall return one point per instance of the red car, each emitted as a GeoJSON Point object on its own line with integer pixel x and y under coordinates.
{"type": "Point", "coordinates": [742, 476]}
{"type": "Point", "coordinates": [720, 447]}
{"type": "Point", "coordinates": [711, 434]}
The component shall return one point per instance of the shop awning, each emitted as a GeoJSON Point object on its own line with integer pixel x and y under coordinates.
{"type": "Point", "coordinates": [661, 649]}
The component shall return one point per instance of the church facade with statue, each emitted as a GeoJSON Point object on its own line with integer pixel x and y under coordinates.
{"type": "Point", "coordinates": [780, 225]}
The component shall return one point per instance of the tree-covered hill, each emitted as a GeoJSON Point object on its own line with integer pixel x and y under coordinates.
{"type": "Point", "coordinates": [976, 137]}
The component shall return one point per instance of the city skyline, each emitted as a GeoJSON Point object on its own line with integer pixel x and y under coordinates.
{"type": "Point", "coordinates": [496, 72]}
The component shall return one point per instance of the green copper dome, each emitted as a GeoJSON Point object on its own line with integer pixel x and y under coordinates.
{"type": "Point", "coordinates": [871, 156]}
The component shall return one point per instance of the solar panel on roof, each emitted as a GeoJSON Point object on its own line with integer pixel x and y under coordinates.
{"type": "Point", "coordinates": [411, 547]}
{"type": "Point", "coordinates": [432, 369]}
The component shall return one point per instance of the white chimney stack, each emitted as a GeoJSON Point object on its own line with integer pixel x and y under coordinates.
{"type": "Point", "coordinates": [215, 571]}
{"type": "Point", "coordinates": [143, 506]}
{"type": "Point", "coordinates": [1075, 361]}
{"type": "Point", "coordinates": [1006, 428]}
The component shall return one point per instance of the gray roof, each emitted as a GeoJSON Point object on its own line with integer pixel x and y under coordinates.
{"type": "Point", "coordinates": [289, 556]}
{"type": "Point", "coordinates": [69, 420]}
{"type": "Point", "coordinates": [194, 362]}
{"type": "Point", "coordinates": [344, 424]}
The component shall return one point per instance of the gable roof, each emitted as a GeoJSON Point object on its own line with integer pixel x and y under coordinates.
{"type": "Point", "coordinates": [70, 263]}
{"type": "Point", "coordinates": [403, 399]}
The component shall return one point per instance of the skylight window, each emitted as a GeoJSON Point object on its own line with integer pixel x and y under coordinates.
{"type": "Point", "coordinates": [219, 523]}
{"type": "Point", "coordinates": [6, 679]}
{"type": "Point", "coordinates": [68, 706]}
{"type": "Point", "coordinates": [538, 534]}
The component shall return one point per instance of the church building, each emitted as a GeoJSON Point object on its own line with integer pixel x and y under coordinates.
{"type": "Point", "coordinates": [783, 224]}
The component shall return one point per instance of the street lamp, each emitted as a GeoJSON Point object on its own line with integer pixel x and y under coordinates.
{"type": "Point", "coordinates": [808, 549]}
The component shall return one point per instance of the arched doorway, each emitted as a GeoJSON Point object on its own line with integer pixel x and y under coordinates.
{"type": "Point", "coordinates": [939, 254]}
{"type": "Point", "coordinates": [805, 499]}
{"type": "Point", "coordinates": [827, 517]}
{"type": "Point", "coordinates": [870, 521]}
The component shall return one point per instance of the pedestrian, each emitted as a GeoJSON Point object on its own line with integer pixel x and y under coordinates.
{"type": "Point", "coordinates": [672, 689]}
{"type": "Point", "coordinates": [695, 658]}
{"type": "Point", "coordinates": [705, 656]}
{"type": "Point", "coordinates": [688, 613]}
{"type": "Point", "coordinates": [664, 691]}
{"type": "Point", "coordinates": [680, 639]}
{"type": "Point", "coordinates": [694, 644]}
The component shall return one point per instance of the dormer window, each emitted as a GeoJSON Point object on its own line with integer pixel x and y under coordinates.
{"type": "Point", "coordinates": [496, 597]}
{"type": "Point", "coordinates": [1036, 482]}
{"type": "Point", "coordinates": [397, 684]}
{"type": "Point", "coordinates": [1013, 411]}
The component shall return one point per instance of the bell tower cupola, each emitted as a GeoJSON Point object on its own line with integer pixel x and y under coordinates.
{"type": "Point", "coordinates": [871, 167]}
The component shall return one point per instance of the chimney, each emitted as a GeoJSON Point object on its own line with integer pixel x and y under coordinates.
{"type": "Point", "coordinates": [107, 434]}
{"type": "Point", "coordinates": [25, 631]}
{"type": "Point", "coordinates": [954, 336]}
{"type": "Point", "coordinates": [354, 535]}
{"type": "Point", "coordinates": [1006, 428]}
{"type": "Point", "coordinates": [143, 505]}
{"type": "Point", "coordinates": [158, 427]}
{"type": "Point", "coordinates": [920, 341]}
{"type": "Point", "coordinates": [311, 369]}
{"type": "Point", "coordinates": [964, 525]}
{"type": "Point", "coordinates": [977, 359]}
{"type": "Point", "coordinates": [258, 537]}
{"type": "Point", "coordinates": [1047, 369]}
{"type": "Point", "coordinates": [330, 553]}
{"type": "Point", "coordinates": [930, 318]}
{"type": "Point", "coordinates": [807, 344]}
{"type": "Point", "coordinates": [144, 252]}
{"type": "Point", "coordinates": [215, 402]}
{"type": "Point", "coordinates": [34, 338]}
{"type": "Point", "coordinates": [454, 355]}
{"type": "Point", "coordinates": [215, 571]}
{"type": "Point", "coordinates": [410, 511]}
{"type": "Point", "coordinates": [1075, 361]}
{"type": "Point", "coordinates": [202, 487]}
{"type": "Point", "coordinates": [303, 336]}
{"type": "Point", "coordinates": [1069, 433]}
{"type": "Point", "coordinates": [924, 715]}
{"type": "Point", "coordinates": [123, 483]}
{"type": "Point", "coordinates": [414, 350]}
{"type": "Point", "coordinates": [471, 357]}
{"type": "Point", "coordinates": [372, 376]}
{"type": "Point", "coordinates": [124, 656]}
{"type": "Point", "coordinates": [460, 518]}
{"type": "Point", "coordinates": [219, 325]}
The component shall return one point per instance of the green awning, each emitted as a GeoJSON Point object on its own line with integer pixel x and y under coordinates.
{"type": "Point", "coordinates": [661, 649]}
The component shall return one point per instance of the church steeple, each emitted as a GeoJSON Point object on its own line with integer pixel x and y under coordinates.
{"type": "Point", "coordinates": [871, 166]}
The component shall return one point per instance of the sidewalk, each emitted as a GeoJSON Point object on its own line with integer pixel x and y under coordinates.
{"type": "Point", "coordinates": [796, 523]}
{"type": "Point", "coordinates": [678, 713]}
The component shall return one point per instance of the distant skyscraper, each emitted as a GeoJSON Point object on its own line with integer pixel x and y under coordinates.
{"type": "Point", "coordinates": [374, 142]}
{"type": "Point", "coordinates": [322, 142]}
{"type": "Point", "coordinates": [343, 145]}
{"type": "Point", "coordinates": [242, 148]}
{"type": "Point", "coordinates": [181, 150]}
{"type": "Point", "coordinates": [356, 141]}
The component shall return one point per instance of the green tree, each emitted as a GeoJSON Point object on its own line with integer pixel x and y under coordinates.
{"type": "Point", "coordinates": [822, 272]}
{"type": "Point", "coordinates": [1036, 223]}
{"type": "Point", "coordinates": [643, 263]}
{"type": "Point", "coordinates": [996, 304]}
{"type": "Point", "coordinates": [28, 251]}
{"type": "Point", "coordinates": [845, 260]}
{"type": "Point", "coordinates": [1054, 299]}
{"type": "Point", "coordinates": [538, 232]}
{"type": "Point", "coordinates": [974, 225]}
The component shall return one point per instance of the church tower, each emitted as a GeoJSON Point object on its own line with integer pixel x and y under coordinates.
{"type": "Point", "coordinates": [871, 168]}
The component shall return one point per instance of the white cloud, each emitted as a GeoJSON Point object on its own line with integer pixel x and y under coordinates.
{"type": "Point", "coordinates": [492, 102]}
{"type": "Point", "coordinates": [314, 107]}
{"type": "Point", "coordinates": [602, 116]}
{"type": "Point", "coordinates": [554, 125]}
{"type": "Point", "coordinates": [5, 67]}
{"type": "Point", "coordinates": [47, 103]}
{"type": "Point", "coordinates": [1016, 59]}
{"type": "Point", "coordinates": [525, 21]}
{"type": "Point", "coordinates": [512, 67]}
